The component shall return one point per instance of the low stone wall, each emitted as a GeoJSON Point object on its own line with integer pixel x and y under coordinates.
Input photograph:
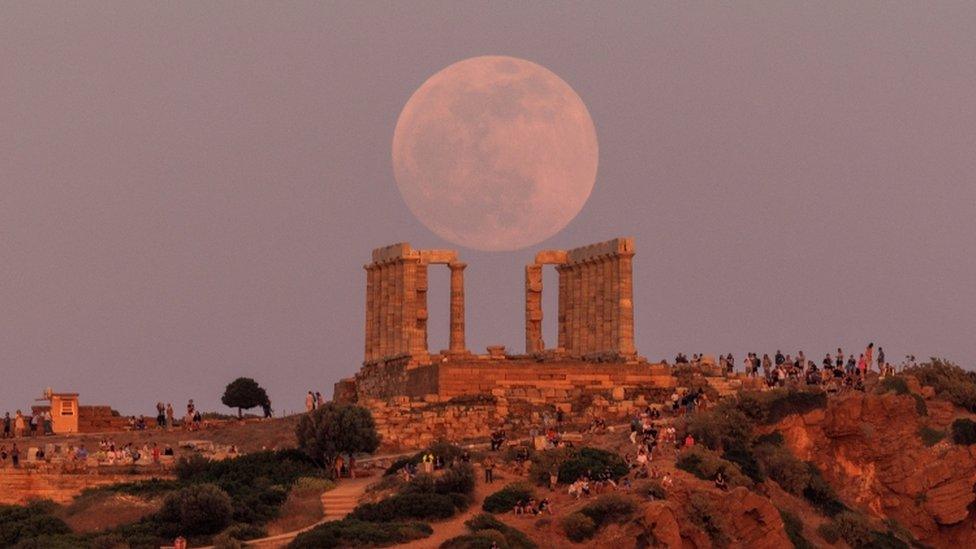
{"type": "Point", "coordinates": [540, 381]}
{"type": "Point", "coordinates": [17, 486]}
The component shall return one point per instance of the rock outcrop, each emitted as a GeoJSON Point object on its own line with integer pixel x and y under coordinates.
{"type": "Point", "coordinates": [869, 448]}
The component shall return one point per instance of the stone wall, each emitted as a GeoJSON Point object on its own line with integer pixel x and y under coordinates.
{"type": "Point", "coordinates": [19, 485]}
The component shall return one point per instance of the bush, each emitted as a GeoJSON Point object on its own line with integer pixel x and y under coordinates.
{"type": "Point", "coordinates": [335, 429]}
{"type": "Point", "coordinates": [410, 506]}
{"type": "Point", "coordinates": [513, 538]}
{"type": "Point", "coordinates": [355, 533]}
{"type": "Point", "coordinates": [224, 541]}
{"type": "Point", "coordinates": [651, 489]}
{"type": "Point", "coordinates": [950, 382]}
{"type": "Point", "coordinates": [821, 495]}
{"type": "Point", "coordinates": [505, 499]}
{"type": "Point", "coordinates": [771, 406]}
{"type": "Point", "coordinates": [458, 479]}
{"type": "Point", "coordinates": [893, 383]}
{"type": "Point", "coordinates": [722, 427]}
{"type": "Point", "coordinates": [572, 463]}
{"type": "Point", "coordinates": [19, 523]}
{"type": "Point", "coordinates": [829, 532]}
{"type": "Point", "coordinates": [921, 408]}
{"type": "Point", "coordinates": [578, 527]}
{"type": "Point", "coordinates": [705, 464]}
{"type": "Point", "coordinates": [482, 539]}
{"type": "Point", "coordinates": [202, 509]}
{"type": "Point", "coordinates": [446, 450]}
{"type": "Point", "coordinates": [964, 431]}
{"type": "Point", "coordinates": [743, 456]}
{"type": "Point", "coordinates": [782, 466]}
{"type": "Point", "coordinates": [244, 532]}
{"type": "Point", "coordinates": [854, 529]}
{"type": "Point", "coordinates": [708, 518]}
{"type": "Point", "coordinates": [609, 508]}
{"type": "Point", "coordinates": [794, 530]}
{"type": "Point", "coordinates": [930, 437]}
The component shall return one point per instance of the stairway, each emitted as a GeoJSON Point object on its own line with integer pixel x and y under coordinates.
{"type": "Point", "coordinates": [340, 501]}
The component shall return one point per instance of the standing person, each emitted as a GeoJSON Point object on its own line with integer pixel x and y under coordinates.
{"type": "Point", "coordinates": [35, 419]}
{"type": "Point", "coordinates": [160, 415]}
{"type": "Point", "coordinates": [309, 402]}
{"type": "Point", "coordinates": [839, 358]}
{"type": "Point", "coordinates": [170, 415]}
{"type": "Point", "coordinates": [15, 456]}
{"type": "Point", "coordinates": [881, 358]}
{"type": "Point", "coordinates": [767, 364]}
{"type": "Point", "coordinates": [6, 425]}
{"type": "Point", "coordinates": [339, 462]}
{"type": "Point", "coordinates": [489, 465]}
{"type": "Point", "coordinates": [780, 359]}
{"type": "Point", "coordinates": [48, 423]}
{"type": "Point", "coordinates": [862, 365]}
{"type": "Point", "coordinates": [869, 355]}
{"type": "Point", "coordinates": [18, 424]}
{"type": "Point", "coordinates": [319, 401]}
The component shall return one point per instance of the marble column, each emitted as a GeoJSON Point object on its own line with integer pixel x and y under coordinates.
{"type": "Point", "coordinates": [533, 309]}
{"type": "Point", "coordinates": [562, 312]}
{"type": "Point", "coordinates": [419, 344]}
{"type": "Point", "coordinates": [457, 307]}
{"type": "Point", "coordinates": [625, 342]}
{"type": "Point", "coordinates": [370, 304]}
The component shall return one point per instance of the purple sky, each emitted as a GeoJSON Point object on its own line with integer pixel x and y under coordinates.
{"type": "Point", "coordinates": [188, 191]}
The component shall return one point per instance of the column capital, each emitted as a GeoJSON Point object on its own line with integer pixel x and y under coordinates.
{"type": "Point", "coordinates": [457, 265]}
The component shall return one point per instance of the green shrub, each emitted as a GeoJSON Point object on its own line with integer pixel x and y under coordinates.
{"type": "Point", "coordinates": [572, 463]}
{"type": "Point", "coordinates": [794, 530]}
{"type": "Point", "coordinates": [224, 541]}
{"type": "Point", "coordinates": [609, 508]}
{"type": "Point", "coordinates": [782, 466]}
{"type": "Point", "coordinates": [409, 506]}
{"type": "Point", "coordinates": [21, 523]}
{"type": "Point", "coordinates": [651, 489]}
{"type": "Point", "coordinates": [721, 427]}
{"type": "Point", "coordinates": [854, 529]}
{"type": "Point", "coordinates": [921, 408]}
{"type": "Point", "coordinates": [201, 509]}
{"type": "Point", "coordinates": [355, 533]}
{"type": "Point", "coordinates": [705, 464]}
{"type": "Point", "coordinates": [829, 532]}
{"type": "Point", "coordinates": [458, 479]}
{"type": "Point", "coordinates": [482, 539]}
{"type": "Point", "coordinates": [514, 538]}
{"type": "Point", "coordinates": [742, 455]}
{"type": "Point", "coordinates": [505, 499]}
{"type": "Point", "coordinates": [821, 495]}
{"type": "Point", "coordinates": [950, 382]}
{"type": "Point", "coordinates": [773, 439]}
{"type": "Point", "coordinates": [771, 406]}
{"type": "Point", "coordinates": [706, 516]}
{"type": "Point", "coordinates": [964, 431]}
{"type": "Point", "coordinates": [896, 384]}
{"type": "Point", "coordinates": [447, 451]}
{"type": "Point", "coordinates": [578, 527]}
{"type": "Point", "coordinates": [930, 437]}
{"type": "Point", "coordinates": [245, 532]}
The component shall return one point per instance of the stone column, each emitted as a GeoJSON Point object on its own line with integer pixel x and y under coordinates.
{"type": "Point", "coordinates": [370, 304]}
{"type": "Point", "coordinates": [562, 313]}
{"type": "Point", "coordinates": [579, 308]}
{"type": "Point", "coordinates": [457, 307]}
{"type": "Point", "coordinates": [533, 309]}
{"type": "Point", "coordinates": [420, 333]}
{"type": "Point", "coordinates": [625, 342]}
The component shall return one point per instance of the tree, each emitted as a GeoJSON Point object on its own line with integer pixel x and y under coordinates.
{"type": "Point", "coordinates": [335, 429]}
{"type": "Point", "coordinates": [201, 509]}
{"type": "Point", "coordinates": [244, 393]}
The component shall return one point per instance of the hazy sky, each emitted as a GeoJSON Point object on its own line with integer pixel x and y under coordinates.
{"type": "Point", "coordinates": [188, 191]}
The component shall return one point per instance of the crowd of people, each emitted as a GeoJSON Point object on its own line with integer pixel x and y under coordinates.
{"type": "Point", "coordinates": [21, 425]}
{"type": "Point", "coordinates": [836, 370]}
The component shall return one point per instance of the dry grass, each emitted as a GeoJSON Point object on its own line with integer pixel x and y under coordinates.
{"type": "Point", "coordinates": [103, 510]}
{"type": "Point", "coordinates": [302, 508]}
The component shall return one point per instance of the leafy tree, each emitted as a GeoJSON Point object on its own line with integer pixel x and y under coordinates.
{"type": "Point", "coordinates": [244, 393]}
{"type": "Point", "coordinates": [335, 429]}
{"type": "Point", "coordinates": [201, 509]}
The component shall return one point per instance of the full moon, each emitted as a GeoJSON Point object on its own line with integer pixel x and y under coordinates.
{"type": "Point", "coordinates": [495, 153]}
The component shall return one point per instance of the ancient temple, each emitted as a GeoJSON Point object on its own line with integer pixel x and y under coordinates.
{"type": "Point", "coordinates": [595, 351]}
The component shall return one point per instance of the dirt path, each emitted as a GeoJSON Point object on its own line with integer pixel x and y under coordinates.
{"type": "Point", "coordinates": [453, 527]}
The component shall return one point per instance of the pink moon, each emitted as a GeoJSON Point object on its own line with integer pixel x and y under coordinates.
{"type": "Point", "coordinates": [495, 153]}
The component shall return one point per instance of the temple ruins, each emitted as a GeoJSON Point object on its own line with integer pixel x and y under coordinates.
{"type": "Point", "coordinates": [594, 353]}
